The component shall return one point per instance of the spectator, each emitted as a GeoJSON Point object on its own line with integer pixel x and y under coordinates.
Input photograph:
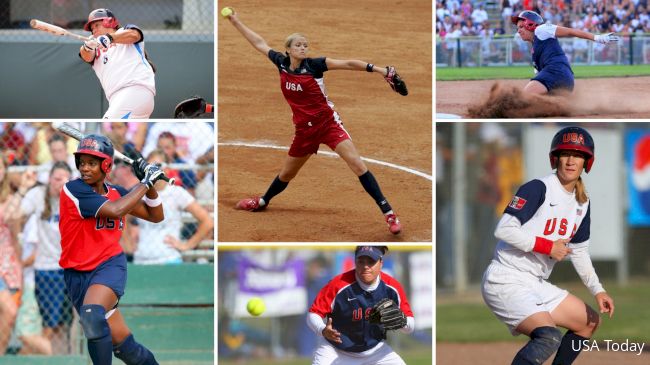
{"type": "Point", "coordinates": [479, 15]}
{"type": "Point", "coordinates": [59, 153]}
{"type": "Point", "coordinates": [127, 132]}
{"type": "Point", "coordinates": [10, 266]}
{"type": "Point", "coordinates": [167, 143]}
{"type": "Point", "coordinates": [29, 328]}
{"type": "Point", "coordinates": [192, 139]}
{"type": "Point", "coordinates": [39, 152]}
{"type": "Point", "coordinates": [161, 243]}
{"type": "Point", "coordinates": [51, 295]}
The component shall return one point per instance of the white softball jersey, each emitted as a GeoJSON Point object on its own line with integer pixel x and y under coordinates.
{"type": "Point", "coordinates": [123, 65]}
{"type": "Point", "coordinates": [514, 285]}
{"type": "Point", "coordinates": [152, 248]}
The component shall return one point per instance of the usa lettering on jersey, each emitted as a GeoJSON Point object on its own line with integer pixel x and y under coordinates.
{"type": "Point", "coordinates": [517, 203]}
{"type": "Point", "coordinates": [292, 86]}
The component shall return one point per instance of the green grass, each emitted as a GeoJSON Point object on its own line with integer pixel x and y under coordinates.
{"type": "Point", "coordinates": [526, 72]}
{"type": "Point", "coordinates": [472, 321]}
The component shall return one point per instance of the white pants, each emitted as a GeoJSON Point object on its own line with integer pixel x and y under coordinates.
{"type": "Point", "coordinates": [514, 295]}
{"type": "Point", "coordinates": [132, 102]}
{"type": "Point", "coordinates": [383, 354]}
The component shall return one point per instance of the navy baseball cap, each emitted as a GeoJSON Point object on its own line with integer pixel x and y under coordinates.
{"type": "Point", "coordinates": [373, 252]}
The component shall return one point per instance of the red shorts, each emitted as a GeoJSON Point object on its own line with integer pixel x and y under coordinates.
{"type": "Point", "coordinates": [310, 135]}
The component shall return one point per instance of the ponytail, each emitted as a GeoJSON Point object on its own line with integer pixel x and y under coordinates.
{"type": "Point", "coordinates": [581, 191]}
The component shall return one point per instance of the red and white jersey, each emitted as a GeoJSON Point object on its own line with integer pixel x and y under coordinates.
{"type": "Point", "coordinates": [304, 88]}
{"type": "Point", "coordinates": [123, 65]}
{"type": "Point", "coordinates": [86, 239]}
{"type": "Point", "coordinates": [541, 209]}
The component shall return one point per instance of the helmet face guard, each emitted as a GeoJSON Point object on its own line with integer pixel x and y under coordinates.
{"type": "Point", "coordinates": [106, 16]}
{"type": "Point", "coordinates": [573, 139]}
{"type": "Point", "coordinates": [531, 19]}
{"type": "Point", "coordinates": [98, 146]}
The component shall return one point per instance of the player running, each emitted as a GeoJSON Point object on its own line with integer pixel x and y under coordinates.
{"type": "Point", "coordinates": [122, 66]}
{"type": "Point", "coordinates": [314, 117]}
{"type": "Point", "coordinates": [552, 68]}
{"type": "Point", "coordinates": [92, 219]}
{"type": "Point", "coordinates": [547, 220]}
{"type": "Point", "coordinates": [341, 315]}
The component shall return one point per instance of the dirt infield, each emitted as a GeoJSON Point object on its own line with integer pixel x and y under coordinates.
{"type": "Point", "coordinates": [592, 98]}
{"type": "Point", "coordinates": [502, 353]}
{"type": "Point", "coordinates": [326, 202]}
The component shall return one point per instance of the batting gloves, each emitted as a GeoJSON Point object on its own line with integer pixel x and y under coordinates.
{"type": "Point", "coordinates": [91, 44]}
{"type": "Point", "coordinates": [605, 38]}
{"type": "Point", "coordinates": [152, 174]}
{"type": "Point", "coordinates": [105, 40]}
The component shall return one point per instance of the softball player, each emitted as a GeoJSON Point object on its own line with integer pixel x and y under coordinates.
{"type": "Point", "coordinates": [314, 117]}
{"type": "Point", "coordinates": [91, 223]}
{"type": "Point", "coordinates": [547, 221]}
{"type": "Point", "coordinates": [119, 59]}
{"type": "Point", "coordinates": [339, 314]}
{"type": "Point", "coordinates": [552, 68]}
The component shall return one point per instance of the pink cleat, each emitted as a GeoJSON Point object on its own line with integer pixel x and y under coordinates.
{"type": "Point", "coordinates": [250, 204]}
{"type": "Point", "coordinates": [394, 226]}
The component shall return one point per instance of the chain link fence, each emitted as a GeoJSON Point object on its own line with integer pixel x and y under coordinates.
{"type": "Point", "coordinates": [35, 314]}
{"type": "Point", "coordinates": [160, 20]}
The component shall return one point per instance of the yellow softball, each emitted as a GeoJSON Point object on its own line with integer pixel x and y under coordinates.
{"type": "Point", "coordinates": [226, 12]}
{"type": "Point", "coordinates": [255, 306]}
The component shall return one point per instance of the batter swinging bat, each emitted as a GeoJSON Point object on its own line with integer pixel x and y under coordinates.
{"type": "Point", "coordinates": [73, 132]}
{"type": "Point", "coordinates": [54, 29]}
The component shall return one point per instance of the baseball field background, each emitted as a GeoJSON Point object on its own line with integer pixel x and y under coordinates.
{"type": "Point", "coordinates": [326, 202]}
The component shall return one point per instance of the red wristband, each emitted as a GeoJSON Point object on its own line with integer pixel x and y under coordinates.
{"type": "Point", "coordinates": [543, 245]}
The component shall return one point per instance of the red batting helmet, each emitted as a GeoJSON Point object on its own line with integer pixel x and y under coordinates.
{"type": "Point", "coordinates": [105, 15]}
{"type": "Point", "coordinates": [573, 139]}
{"type": "Point", "coordinates": [531, 19]}
{"type": "Point", "coordinates": [98, 146]}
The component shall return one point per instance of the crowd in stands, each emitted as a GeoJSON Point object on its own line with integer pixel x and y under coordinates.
{"type": "Point", "coordinates": [459, 18]}
{"type": "Point", "coordinates": [35, 162]}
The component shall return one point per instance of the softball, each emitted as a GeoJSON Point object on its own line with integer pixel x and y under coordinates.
{"type": "Point", "coordinates": [226, 12]}
{"type": "Point", "coordinates": [255, 306]}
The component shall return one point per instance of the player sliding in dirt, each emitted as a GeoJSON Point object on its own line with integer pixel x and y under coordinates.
{"type": "Point", "coordinates": [552, 68]}
{"type": "Point", "coordinates": [315, 119]}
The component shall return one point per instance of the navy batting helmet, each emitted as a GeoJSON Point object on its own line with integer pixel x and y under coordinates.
{"type": "Point", "coordinates": [106, 16]}
{"type": "Point", "coordinates": [573, 139]}
{"type": "Point", "coordinates": [531, 19]}
{"type": "Point", "coordinates": [98, 146]}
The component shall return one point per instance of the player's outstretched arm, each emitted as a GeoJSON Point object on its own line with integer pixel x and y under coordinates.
{"type": "Point", "coordinates": [354, 65]}
{"type": "Point", "coordinates": [600, 38]}
{"type": "Point", "coordinates": [253, 38]}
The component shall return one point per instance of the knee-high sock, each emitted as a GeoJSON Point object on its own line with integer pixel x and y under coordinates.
{"type": "Point", "coordinates": [570, 348]}
{"type": "Point", "coordinates": [277, 186]}
{"type": "Point", "coordinates": [372, 188]}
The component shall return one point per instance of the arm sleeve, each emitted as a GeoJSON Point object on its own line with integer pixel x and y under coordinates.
{"type": "Point", "coordinates": [410, 325]}
{"type": "Point", "coordinates": [316, 323]}
{"type": "Point", "coordinates": [135, 27]}
{"type": "Point", "coordinates": [277, 58]}
{"type": "Point", "coordinates": [509, 230]}
{"type": "Point", "coordinates": [582, 263]}
{"type": "Point", "coordinates": [545, 31]}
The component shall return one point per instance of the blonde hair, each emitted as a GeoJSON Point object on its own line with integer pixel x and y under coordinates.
{"type": "Point", "coordinates": [581, 191]}
{"type": "Point", "coordinates": [5, 185]}
{"type": "Point", "coordinates": [292, 37]}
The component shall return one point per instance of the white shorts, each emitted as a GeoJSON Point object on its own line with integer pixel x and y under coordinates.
{"type": "Point", "coordinates": [132, 102]}
{"type": "Point", "coordinates": [382, 354]}
{"type": "Point", "coordinates": [513, 295]}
